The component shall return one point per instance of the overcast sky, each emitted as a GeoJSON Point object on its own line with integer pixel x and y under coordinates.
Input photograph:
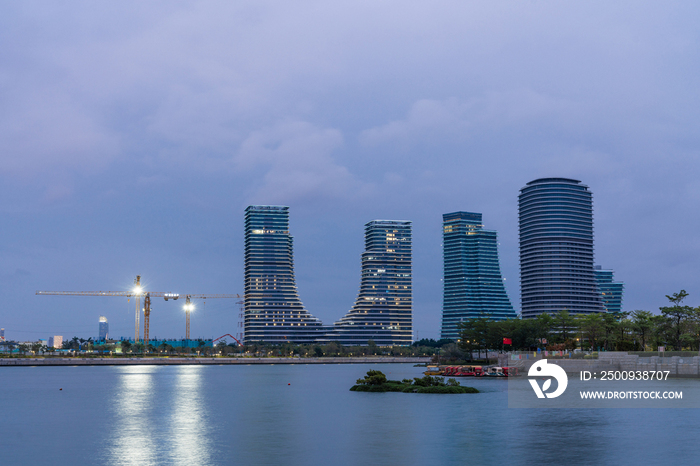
{"type": "Point", "coordinates": [134, 134]}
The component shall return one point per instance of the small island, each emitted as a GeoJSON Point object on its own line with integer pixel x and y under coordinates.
{"type": "Point", "coordinates": [376, 381]}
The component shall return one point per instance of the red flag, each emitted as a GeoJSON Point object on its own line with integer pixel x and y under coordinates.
{"type": "Point", "coordinates": [507, 341]}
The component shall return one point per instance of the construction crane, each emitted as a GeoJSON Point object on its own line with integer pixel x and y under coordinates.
{"type": "Point", "coordinates": [137, 293]}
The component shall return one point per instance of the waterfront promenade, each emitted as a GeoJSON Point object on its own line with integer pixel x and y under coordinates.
{"type": "Point", "coordinates": [677, 366]}
{"type": "Point", "coordinates": [178, 361]}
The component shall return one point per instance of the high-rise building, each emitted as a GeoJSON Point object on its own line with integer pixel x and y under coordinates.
{"type": "Point", "coordinates": [104, 328]}
{"type": "Point", "coordinates": [2, 334]}
{"type": "Point", "coordinates": [556, 248]}
{"type": "Point", "coordinates": [611, 290]}
{"type": "Point", "coordinates": [383, 309]}
{"type": "Point", "coordinates": [55, 341]}
{"type": "Point", "coordinates": [472, 284]}
{"type": "Point", "coordinates": [273, 311]}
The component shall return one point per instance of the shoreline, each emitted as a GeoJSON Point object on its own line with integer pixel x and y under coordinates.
{"type": "Point", "coordinates": [175, 361]}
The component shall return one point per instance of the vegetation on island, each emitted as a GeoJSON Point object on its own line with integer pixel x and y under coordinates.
{"type": "Point", "coordinates": [376, 381]}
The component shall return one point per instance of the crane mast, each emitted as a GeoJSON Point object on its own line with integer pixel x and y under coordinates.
{"type": "Point", "coordinates": [188, 308]}
{"type": "Point", "coordinates": [137, 286]}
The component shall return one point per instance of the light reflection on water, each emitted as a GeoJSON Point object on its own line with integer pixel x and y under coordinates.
{"type": "Point", "coordinates": [188, 426]}
{"type": "Point", "coordinates": [159, 417]}
{"type": "Point", "coordinates": [133, 440]}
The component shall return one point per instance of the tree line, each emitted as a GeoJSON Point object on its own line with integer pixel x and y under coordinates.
{"type": "Point", "coordinates": [332, 349]}
{"type": "Point", "coordinates": [677, 327]}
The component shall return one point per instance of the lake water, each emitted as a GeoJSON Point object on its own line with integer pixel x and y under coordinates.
{"type": "Point", "coordinates": [305, 415]}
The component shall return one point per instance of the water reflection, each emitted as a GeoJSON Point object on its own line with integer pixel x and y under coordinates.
{"type": "Point", "coordinates": [133, 443]}
{"type": "Point", "coordinates": [188, 434]}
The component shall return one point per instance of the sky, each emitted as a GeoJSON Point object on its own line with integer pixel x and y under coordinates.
{"type": "Point", "coordinates": [134, 134]}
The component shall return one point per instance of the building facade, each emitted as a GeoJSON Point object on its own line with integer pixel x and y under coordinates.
{"type": "Point", "coordinates": [104, 329]}
{"type": "Point", "coordinates": [55, 341]}
{"type": "Point", "coordinates": [611, 291]}
{"type": "Point", "coordinates": [472, 283]}
{"type": "Point", "coordinates": [2, 334]}
{"type": "Point", "coordinates": [273, 311]}
{"type": "Point", "coordinates": [383, 309]}
{"type": "Point", "coordinates": [556, 248]}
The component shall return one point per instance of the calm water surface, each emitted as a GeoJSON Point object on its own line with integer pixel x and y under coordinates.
{"type": "Point", "coordinates": [305, 415]}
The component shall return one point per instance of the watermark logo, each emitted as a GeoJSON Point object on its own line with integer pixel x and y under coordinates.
{"type": "Point", "coordinates": [542, 369]}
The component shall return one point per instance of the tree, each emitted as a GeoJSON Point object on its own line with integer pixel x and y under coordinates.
{"type": "Point", "coordinates": [677, 316]}
{"type": "Point", "coordinates": [610, 326]}
{"type": "Point", "coordinates": [372, 378]}
{"type": "Point", "coordinates": [592, 328]}
{"type": "Point", "coordinates": [541, 330]}
{"type": "Point", "coordinates": [126, 346]}
{"type": "Point", "coordinates": [473, 335]}
{"type": "Point", "coordinates": [623, 327]}
{"type": "Point", "coordinates": [452, 352]}
{"type": "Point", "coordinates": [72, 344]}
{"type": "Point", "coordinates": [642, 325]}
{"type": "Point", "coordinates": [564, 325]}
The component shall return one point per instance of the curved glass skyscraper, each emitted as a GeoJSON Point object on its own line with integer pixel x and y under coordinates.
{"type": "Point", "coordinates": [556, 248]}
{"type": "Point", "coordinates": [611, 290]}
{"type": "Point", "coordinates": [383, 309]}
{"type": "Point", "coordinates": [273, 311]}
{"type": "Point", "coordinates": [472, 283]}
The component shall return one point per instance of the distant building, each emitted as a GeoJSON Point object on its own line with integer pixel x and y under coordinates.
{"type": "Point", "coordinates": [104, 328]}
{"type": "Point", "coordinates": [556, 248]}
{"type": "Point", "coordinates": [383, 309]}
{"type": "Point", "coordinates": [611, 290]}
{"type": "Point", "coordinates": [472, 284]}
{"type": "Point", "coordinates": [273, 311]}
{"type": "Point", "coordinates": [55, 341]}
{"type": "Point", "coordinates": [2, 334]}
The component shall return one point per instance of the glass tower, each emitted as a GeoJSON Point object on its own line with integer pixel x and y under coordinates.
{"type": "Point", "coordinates": [273, 311]}
{"type": "Point", "coordinates": [383, 309]}
{"type": "Point", "coordinates": [472, 283]}
{"type": "Point", "coordinates": [556, 248]}
{"type": "Point", "coordinates": [104, 328]}
{"type": "Point", "coordinates": [611, 290]}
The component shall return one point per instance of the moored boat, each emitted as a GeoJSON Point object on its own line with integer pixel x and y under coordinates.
{"type": "Point", "coordinates": [433, 370]}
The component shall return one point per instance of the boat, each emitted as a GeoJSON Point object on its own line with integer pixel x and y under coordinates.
{"type": "Point", "coordinates": [463, 371]}
{"type": "Point", "coordinates": [472, 371]}
{"type": "Point", "coordinates": [433, 370]}
{"type": "Point", "coordinates": [495, 372]}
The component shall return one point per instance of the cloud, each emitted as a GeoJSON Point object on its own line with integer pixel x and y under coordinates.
{"type": "Point", "coordinates": [457, 120]}
{"type": "Point", "coordinates": [426, 117]}
{"type": "Point", "coordinates": [298, 163]}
